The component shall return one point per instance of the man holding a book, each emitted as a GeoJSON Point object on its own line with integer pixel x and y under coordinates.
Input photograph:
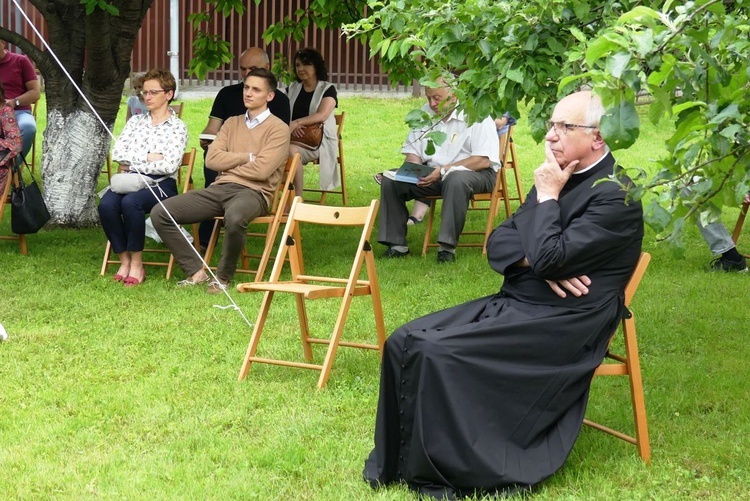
{"type": "Point", "coordinates": [464, 164]}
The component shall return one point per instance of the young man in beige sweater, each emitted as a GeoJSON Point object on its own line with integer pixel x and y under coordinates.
{"type": "Point", "coordinates": [249, 153]}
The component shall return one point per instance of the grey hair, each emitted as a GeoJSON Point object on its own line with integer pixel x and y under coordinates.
{"type": "Point", "coordinates": [594, 111]}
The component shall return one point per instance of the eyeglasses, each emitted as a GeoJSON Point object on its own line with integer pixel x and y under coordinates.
{"type": "Point", "coordinates": [145, 93]}
{"type": "Point", "coordinates": [562, 129]}
{"type": "Point", "coordinates": [249, 68]}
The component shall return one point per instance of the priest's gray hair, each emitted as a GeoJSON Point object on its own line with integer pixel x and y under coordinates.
{"type": "Point", "coordinates": [594, 112]}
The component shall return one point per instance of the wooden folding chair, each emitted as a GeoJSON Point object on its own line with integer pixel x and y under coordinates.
{"type": "Point", "coordinates": [479, 201]}
{"type": "Point", "coordinates": [740, 223]}
{"type": "Point", "coordinates": [186, 181]}
{"type": "Point", "coordinates": [317, 287]}
{"type": "Point", "coordinates": [273, 221]}
{"type": "Point", "coordinates": [12, 180]}
{"type": "Point", "coordinates": [629, 365]}
{"type": "Point", "coordinates": [340, 160]}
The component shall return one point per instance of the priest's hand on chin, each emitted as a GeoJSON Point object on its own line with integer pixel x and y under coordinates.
{"type": "Point", "coordinates": [578, 286]}
{"type": "Point", "coordinates": [550, 177]}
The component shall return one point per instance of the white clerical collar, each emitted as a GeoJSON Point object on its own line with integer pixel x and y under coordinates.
{"type": "Point", "coordinates": [254, 122]}
{"type": "Point", "coordinates": [592, 165]}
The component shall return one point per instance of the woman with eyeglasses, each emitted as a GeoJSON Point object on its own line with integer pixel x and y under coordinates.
{"type": "Point", "coordinates": [11, 141]}
{"type": "Point", "coordinates": [151, 144]}
{"type": "Point", "coordinates": [312, 101]}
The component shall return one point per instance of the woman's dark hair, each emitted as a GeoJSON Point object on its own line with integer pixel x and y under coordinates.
{"type": "Point", "coordinates": [2, 92]}
{"type": "Point", "coordinates": [312, 56]}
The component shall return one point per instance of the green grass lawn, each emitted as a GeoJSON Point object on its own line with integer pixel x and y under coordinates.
{"type": "Point", "coordinates": [108, 392]}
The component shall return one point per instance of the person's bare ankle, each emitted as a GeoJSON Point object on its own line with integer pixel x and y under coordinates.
{"type": "Point", "coordinates": [199, 276]}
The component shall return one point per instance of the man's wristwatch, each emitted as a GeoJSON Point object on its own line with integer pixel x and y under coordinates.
{"type": "Point", "coordinates": [17, 103]}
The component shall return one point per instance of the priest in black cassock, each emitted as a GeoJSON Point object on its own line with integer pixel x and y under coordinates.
{"type": "Point", "coordinates": [489, 396]}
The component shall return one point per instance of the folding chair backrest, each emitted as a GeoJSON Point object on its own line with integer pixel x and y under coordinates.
{"type": "Point", "coordinates": [629, 364]}
{"type": "Point", "coordinates": [186, 179]}
{"type": "Point", "coordinates": [178, 107]}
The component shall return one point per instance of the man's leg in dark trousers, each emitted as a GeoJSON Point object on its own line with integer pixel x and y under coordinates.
{"type": "Point", "coordinates": [189, 207]}
{"type": "Point", "coordinates": [393, 213]}
{"type": "Point", "coordinates": [240, 207]}
{"type": "Point", "coordinates": [458, 187]}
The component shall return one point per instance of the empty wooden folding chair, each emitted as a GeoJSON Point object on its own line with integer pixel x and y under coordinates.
{"type": "Point", "coordinates": [310, 287]}
{"type": "Point", "coordinates": [489, 202]}
{"type": "Point", "coordinates": [340, 160]}
{"type": "Point", "coordinates": [629, 365]}
{"type": "Point", "coordinates": [273, 221]}
{"type": "Point", "coordinates": [186, 181]}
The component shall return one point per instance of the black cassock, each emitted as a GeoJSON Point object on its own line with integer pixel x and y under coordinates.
{"type": "Point", "coordinates": [490, 395]}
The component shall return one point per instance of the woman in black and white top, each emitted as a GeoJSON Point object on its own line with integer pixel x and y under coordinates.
{"type": "Point", "coordinates": [152, 144]}
{"type": "Point", "coordinates": [313, 100]}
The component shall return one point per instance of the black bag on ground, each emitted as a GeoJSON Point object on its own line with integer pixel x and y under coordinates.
{"type": "Point", "coordinates": [28, 211]}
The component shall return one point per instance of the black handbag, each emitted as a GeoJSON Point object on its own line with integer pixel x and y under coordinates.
{"type": "Point", "coordinates": [28, 212]}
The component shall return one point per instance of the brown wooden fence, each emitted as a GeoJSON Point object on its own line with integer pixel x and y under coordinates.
{"type": "Point", "coordinates": [348, 61]}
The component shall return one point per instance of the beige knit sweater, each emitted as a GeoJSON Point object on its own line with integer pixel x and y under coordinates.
{"type": "Point", "coordinates": [229, 154]}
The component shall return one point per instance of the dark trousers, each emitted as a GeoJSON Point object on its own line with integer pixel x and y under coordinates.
{"type": "Point", "coordinates": [123, 217]}
{"type": "Point", "coordinates": [206, 227]}
{"type": "Point", "coordinates": [456, 189]}
{"type": "Point", "coordinates": [238, 204]}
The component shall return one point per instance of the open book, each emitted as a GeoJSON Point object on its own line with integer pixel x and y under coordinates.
{"type": "Point", "coordinates": [408, 172]}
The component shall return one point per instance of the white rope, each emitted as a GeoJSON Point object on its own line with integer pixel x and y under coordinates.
{"type": "Point", "coordinates": [233, 304]}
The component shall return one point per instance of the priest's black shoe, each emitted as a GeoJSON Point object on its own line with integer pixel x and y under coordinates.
{"type": "Point", "coordinates": [446, 257]}
{"type": "Point", "coordinates": [394, 253]}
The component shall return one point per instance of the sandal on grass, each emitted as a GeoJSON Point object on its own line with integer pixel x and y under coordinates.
{"type": "Point", "coordinates": [412, 221]}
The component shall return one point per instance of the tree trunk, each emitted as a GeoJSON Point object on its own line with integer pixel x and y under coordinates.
{"type": "Point", "coordinates": [95, 50]}
{"type": "Point", "coordinates": [75, 147]}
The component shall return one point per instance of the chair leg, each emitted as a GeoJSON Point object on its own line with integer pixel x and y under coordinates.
{"type": "Point", "coordinates": [252, 347]}
{"type": "Point", "coordinates": [377, 305]}
{"type": "Point", "coordinates": [335, 338]}
{"type": "Point", "coordinates": [428, 229]}
{"type": "Point", "coordinates": [740, 223]}
{"type": "Point", "coordinates": [304, 327]}
{"type": "Point", "coordinates": [105, 263]}
{"type": "Point", "coordinates": [212, 241]}
{"type": "Point", "coordinates": [636, 390]}
{"type": "Point", "coordinates": [22, 244]}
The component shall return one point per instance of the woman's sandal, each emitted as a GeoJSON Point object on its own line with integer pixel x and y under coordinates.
{"type": "Point", "coordinates": [132, 281]}
{"type": "Point", "coordinates": [412, 221]}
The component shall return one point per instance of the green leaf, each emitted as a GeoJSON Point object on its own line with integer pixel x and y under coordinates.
{"type": "Point", "coordinates": [656, 216]}
{"type": "Point", "coordinates": [620, 126]}
{"type": "Point", "coordinates": [617, 63]}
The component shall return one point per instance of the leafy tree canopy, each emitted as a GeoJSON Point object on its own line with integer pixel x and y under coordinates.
{"type": "Point", "coordinates": [689, 58]}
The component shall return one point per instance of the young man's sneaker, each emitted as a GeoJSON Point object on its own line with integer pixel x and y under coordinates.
{"type": "Point", "coordinates": [217, 287]}
{"type": "Point", "coordinates": [723, 263]}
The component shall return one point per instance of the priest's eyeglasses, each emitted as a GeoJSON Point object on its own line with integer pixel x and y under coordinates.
{"type": "Point", "coordinates": [562, 128]}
